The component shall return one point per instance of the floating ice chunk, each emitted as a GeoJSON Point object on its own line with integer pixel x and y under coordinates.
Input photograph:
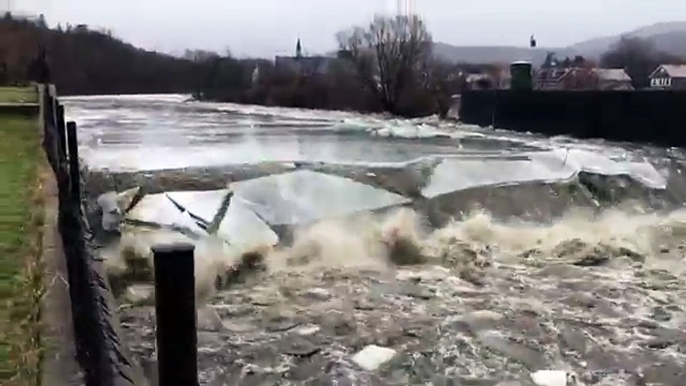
{"type": "Point", "coordinates": [407, 129]}
{"type": "Point", "coordinates": [598, 163]}
{"type": "Point", "coordinates": [305, 196]}
{"type": "Point", "coordinates": [455, 174]}
{"type": "Point", "coordinates": [549, 378]}
{"type": "Point", "coordinates": [372, 357]}
{"type": "Point", "coordinates": [308, 330]}
{"type": "Point", "coordinates": [559, 165]}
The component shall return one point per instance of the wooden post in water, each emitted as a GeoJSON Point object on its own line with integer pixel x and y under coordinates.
{"type": "Point", "coordinates": [177, 339]}
{"type": "Point", "coordinates": [74, 172]}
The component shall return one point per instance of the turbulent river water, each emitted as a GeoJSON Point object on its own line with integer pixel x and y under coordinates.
{"type": "Point", "coordinates": [416, 252]}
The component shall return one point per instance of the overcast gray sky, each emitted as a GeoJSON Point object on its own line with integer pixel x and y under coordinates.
{"type": "Point", "coordinates": [267, 27]}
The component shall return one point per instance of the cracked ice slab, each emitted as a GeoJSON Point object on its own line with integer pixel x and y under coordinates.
{"type": "Point", "coordinates": [292, 198]}
{"type": "Point", "coordinates": [239, 224]}
{"type": "Point", "coordinates": [455, 174]}
{"type": "Point", "coordinates": [158, 209]}
{"type": "Point", "coordinates": [305, 196]}
{"type": "Point", "coordinates": [460, 173]}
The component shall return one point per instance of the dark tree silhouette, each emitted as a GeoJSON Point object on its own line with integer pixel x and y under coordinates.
{"type": "Point", "coordinates": [42, 24]}
{"type": "Point", "coordinates": [389, 55]}
{"type": "Point", "coordinates": [82, 61]}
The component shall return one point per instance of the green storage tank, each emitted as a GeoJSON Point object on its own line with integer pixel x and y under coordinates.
{"type": "Point", "coordinates": [521, 76]}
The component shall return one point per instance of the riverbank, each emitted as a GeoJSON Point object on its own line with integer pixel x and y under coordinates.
{"type": "Point", "coordinates": [21, 220]}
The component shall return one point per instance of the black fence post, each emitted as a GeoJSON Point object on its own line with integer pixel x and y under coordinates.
{"type": "Point", "coordinates": [53, 108]}
{"type": "Point", "coordinates": [177, 339]}
{"type": "Point", "coordinates": [48, 107]}
{"type": "Point", "coordinates": [61, 134]}
{"type": "Point", "coordinates": [74, 172]}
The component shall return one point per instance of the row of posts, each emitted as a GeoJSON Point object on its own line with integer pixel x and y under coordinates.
{"type": "Point", "coordinates": [176, 316]}
{"type": "Point", "coordinates": [61, 147]}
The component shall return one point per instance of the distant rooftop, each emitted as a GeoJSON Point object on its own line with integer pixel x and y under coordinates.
{"type": "Point", "coordinates": [675, 70]}
{"type": "Point", "coordinates": [612, 74]}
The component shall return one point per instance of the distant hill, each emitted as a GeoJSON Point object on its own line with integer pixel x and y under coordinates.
{"type": "Point", "coordinates": [494, 54]}
{"type": "Point", "coordinates": [83, 61]}
{"type": "Point", "coordinates": [669, 37]}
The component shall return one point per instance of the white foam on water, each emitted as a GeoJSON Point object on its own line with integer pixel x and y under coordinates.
{"type": "Point", "coordinates": [364, 241]}
{"type": "Point", "coordinates": [212, 256]}
{"type": "Point", "coordinates": [360, 241]}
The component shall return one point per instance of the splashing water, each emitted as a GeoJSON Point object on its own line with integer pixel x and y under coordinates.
{"type": "Point", "coordinates": [369, 241]}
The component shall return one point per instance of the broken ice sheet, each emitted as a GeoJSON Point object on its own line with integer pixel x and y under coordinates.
{"type": "Point", "coordinates": [241, 226]}
{"type": "Point", "coordinates": [305, 196]}
{"type": "Point", "coordinates": [158, 209]}
{"type": "Point", "coordinates": [204, 204]}
{"type": "Point", "coordinates": [455, 174]}
{"type": "Point", "coordinates": [558, 165]}
{"type": "Point", "coordinates": [238, 226]}
{"type": "Point", "coordinates": [292, 198]}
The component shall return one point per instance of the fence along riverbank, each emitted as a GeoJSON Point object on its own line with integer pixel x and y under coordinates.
{"type": "Point", "coordinates": [99, 351]}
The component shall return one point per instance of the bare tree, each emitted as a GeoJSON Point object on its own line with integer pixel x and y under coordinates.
{"type": "Point", "coordinates": [390, 55]}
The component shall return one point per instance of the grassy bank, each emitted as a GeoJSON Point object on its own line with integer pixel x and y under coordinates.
{"type": "Point", "coordinates": [21, 219]}
{"type": "Point", "coordinates": [18, 95]}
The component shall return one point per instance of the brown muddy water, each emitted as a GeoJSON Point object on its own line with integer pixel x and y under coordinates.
{"type": "Point", "coordinates": [502, 254]}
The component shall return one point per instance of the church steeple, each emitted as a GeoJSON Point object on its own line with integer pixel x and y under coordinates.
{"type": "Point", "coordinates": [298, 49]}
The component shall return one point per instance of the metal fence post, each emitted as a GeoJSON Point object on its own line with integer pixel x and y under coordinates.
{"type": "Point", "coordinates": [74, 172]}
{"type": "Point", "coordinates": [177, 340]}
{"type": "Point", "coordinates": [61, 134]}
{"type": "Point", "coordinates": [48, 108]}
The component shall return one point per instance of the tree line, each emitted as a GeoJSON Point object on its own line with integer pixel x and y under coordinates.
{"type": "Point", "coordinates": [83, 61]}
{"type": "Point", "coordinates": [386, 65]}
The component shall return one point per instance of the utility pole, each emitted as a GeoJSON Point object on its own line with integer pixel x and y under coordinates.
{"type": "Point", "coordinates": [401, 7]}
